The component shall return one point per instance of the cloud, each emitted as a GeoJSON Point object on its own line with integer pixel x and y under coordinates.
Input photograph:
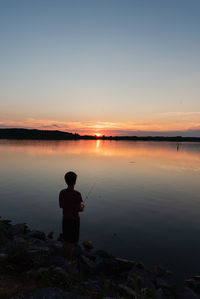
{"type": "Point", "coordinates": [164, 127]}
{"type": "Point", "coordinates": [184, 133]}
{"type": "Point", "coordinates": [182, 113]}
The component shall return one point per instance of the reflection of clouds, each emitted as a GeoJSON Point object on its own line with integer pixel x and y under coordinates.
{"type": "Point", "coordinates": [162, 155]}
{"type": "Point", "coordinates": [158, 150]}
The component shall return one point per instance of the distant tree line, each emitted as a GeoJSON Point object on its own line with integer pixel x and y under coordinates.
{"type": "Point", "coordinates": [33, 134]}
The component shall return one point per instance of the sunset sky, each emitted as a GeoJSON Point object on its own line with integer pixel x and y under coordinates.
{"type": "Point", "coordinates": [113, 67]}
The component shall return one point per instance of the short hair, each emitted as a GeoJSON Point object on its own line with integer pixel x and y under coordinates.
{"type": "Point", "coordinates": [70, 178]}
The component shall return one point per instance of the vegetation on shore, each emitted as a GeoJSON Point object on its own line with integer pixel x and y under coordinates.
{"type": "Point", "coordinates": [33, 134]}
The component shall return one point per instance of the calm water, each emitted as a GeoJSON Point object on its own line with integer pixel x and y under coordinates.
{"type": "Point", "coordinates": [145, 202]}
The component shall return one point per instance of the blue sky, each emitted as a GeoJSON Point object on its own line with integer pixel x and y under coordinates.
{"type": "Point", "coordinates": [112, 66]}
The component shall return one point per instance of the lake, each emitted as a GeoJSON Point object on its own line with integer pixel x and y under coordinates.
{"type": "Point", "coordinates": [144, 199]}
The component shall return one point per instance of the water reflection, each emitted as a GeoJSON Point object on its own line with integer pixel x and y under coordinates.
{"type": "Point", "coordinates": [166, 154]}
{"type": "Point", "coordinates": [146, 194]}
{"type": "Point", "coordinates": [98, 144]}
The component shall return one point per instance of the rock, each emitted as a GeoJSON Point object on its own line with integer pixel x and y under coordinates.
{"type": "Point", "coordinates": [109, 288]}
{"type": "Point", "coordinates": [23, 250]}
{"type": "Point", "coordinates": [124, 264]}
{"type": "Point", "coordinates": [128, 291]}
{"type": "Point", "coordinates": [42, 249]}
{"type": "Point", "coordinates": [6, 221]}
{"type": "Point", "coordinates": [99, 260]}
{"type": "Point", "coordinates": [187, 293]}
{"type": "Point", "coordinates": [50, 235]}
{"type": "Point", "coordinates": [56, 246]}
{"type": "Point", "coordinates": [3, 234]}
{"type": "Point", "coordinates": [107, 266]}
{"type": "Point", "coordinates": [131, 282]}
{"type": "Point", "coordinates": [147, 282]}
{"type": "Point", "coordinates": [196, 277]}
{"type": "Point", "coordinates": [88, 245]}
{"type": "Point", "coordinates": [52, 276]}
{"type": "Point", "coordinates": [87, 266]}
{"type": "Point", "coordinates": [18, 256]}
{"type": "Point", "coordinates": [77, 251]}
{"type": "Point", "coordinates": [31, 274]}
{"type": "Point", "coordinates": [57, 269]}
{"type": "Point", "coordinates": [159, 271]}
{"type": "Point", "coordinates": [140, 278]}
{"type": "Point", "coordinates": [136, 271]}
{"type": "Point", "coordinates": [3, 228]}
{"type": "Point", "coordinates": [92, 285]}
{"type": "Point", "coordinates": [90, 255]}
{"type": "Point", "coordinates": [137, 280]}
{"type": "Point", "coordinates": [140, 265]}
{"type": "Point", "coordinates": [18, 229]}
{"type": "Point", "coordinates": [159, 294]}
{"type": "Point", "coordinates": [10, 267]}
{"type": "Point", "coordinates": [103, 254]}
{"type": "Point", "coordinates": [193, 284]}
{"type": "Point", "coordinates": [189, 282]}
{"type": "Point", "coordinates": [3, 238]}
{"type": "Point", "coordinates": [37, 235]}
{"type": "Point", "coordinates": [17, 246]}
{"type": "Point", "coordinates": [54, 293]}
{"type": "Point", "coordinates": [3, 257]}
{"type": "Point", "coordinates": [39, 255]}
{"type": "Point", "coordinates": [56, 277]}
{"type": "Point", "coordinates": [58, 261]}
{"type": "Point", "coordinates": [36, 242]}
{"type": "Point", "coordinates": [73, 269]}
{"type": "Point", "coordinates": [160, 283]}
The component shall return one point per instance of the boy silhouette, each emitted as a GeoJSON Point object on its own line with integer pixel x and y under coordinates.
{"type": "Point", "coordinates": [71, 202]}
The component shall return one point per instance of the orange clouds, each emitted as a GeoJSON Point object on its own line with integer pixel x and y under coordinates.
{"type": "Point", "coordinates": [164, 122]}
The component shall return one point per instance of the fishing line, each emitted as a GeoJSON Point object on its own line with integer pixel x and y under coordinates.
{"type": "Point", "coordinates": [87, 196]}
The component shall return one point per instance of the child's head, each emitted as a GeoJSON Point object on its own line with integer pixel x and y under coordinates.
{"type": "Point", "coordinates": [70, 178]}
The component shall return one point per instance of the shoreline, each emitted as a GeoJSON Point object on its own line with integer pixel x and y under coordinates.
{"type": "Point", "coordinates": [32, 266]}
{"type": "Point", "coordinates": [34, 134]}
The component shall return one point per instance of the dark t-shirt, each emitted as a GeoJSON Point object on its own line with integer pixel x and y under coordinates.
{"type": "Point", "coordinates": [69, 201]}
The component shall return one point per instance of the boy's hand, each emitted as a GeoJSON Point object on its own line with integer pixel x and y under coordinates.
{"type": "Point", "coordinates": [82, 206]}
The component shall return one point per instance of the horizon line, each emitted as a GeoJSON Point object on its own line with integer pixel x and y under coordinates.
{"type": "Point", "coordinates": [101, 136]}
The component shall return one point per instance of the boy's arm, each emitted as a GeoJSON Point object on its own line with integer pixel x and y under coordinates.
{"type": "Point", "coordinates": [81, 204]}
{"type": "Point", "coordinates": [81, 207]}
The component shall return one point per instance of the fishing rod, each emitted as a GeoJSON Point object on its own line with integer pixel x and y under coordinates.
{"type": "Point", "coordinates": [87, 196]}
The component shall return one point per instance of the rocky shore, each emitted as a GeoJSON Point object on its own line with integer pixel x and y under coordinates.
{"type": "Point", "coordinates": [32, 267]}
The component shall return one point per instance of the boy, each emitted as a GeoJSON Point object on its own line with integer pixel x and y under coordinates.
{"type": "Point", "coordinates": [71, 202]}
